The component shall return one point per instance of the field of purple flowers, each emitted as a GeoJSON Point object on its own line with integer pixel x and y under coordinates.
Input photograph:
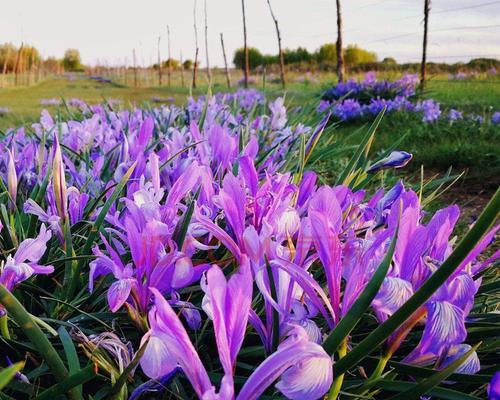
{"type": "Point", "coordinates": [192, 252]}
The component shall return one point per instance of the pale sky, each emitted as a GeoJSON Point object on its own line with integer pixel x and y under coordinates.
{"type": "Point", "coordinates": [108, 30]}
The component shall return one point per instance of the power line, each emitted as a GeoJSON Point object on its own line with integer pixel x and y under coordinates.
{"type": "Point", "coordinates": [457, 28]}
{"type": "Point", "coordinates": [465, 8]}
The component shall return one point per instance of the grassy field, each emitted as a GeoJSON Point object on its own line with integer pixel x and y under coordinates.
{"type": "Point", "coordinates": [438, 147]}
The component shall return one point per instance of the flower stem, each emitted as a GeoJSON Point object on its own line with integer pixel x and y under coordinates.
{"type": "Point", "coordinates": [4, 327]}
{"type": "Point", "coordinates": [337, 382]}
{"type": "Point", "coordinates": [19, 314]}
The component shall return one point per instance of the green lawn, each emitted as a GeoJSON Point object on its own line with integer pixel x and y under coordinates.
{"type": "Point", "coordinates": [437, 147]}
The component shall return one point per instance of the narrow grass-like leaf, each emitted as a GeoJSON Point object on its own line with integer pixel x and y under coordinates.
{"type": "Point", "coordinates": [181, 229]}
{"type": "Point", "coordinates": [354, 315]}
{"type": "Point", "coordinates": [71, 354]}
{"type": "Point", "coordinates": [8, 373]}
{"type": "Point", "coordinates": [94, 231]}
{"type": "Point", "coordinates": [362, 149]}
{"type": "Point", "coordinates": [128, 370]}
{"type": "Point", "coordinates": [435, 393]}
{"type": "Point", "coordinates": [69, 384]}
{"type": "Point", "coordinates": [35, 335]}
{"type": "Point", "coordinates": [427, 384]}
{"type": "Point", "coordinates": [438, 278]}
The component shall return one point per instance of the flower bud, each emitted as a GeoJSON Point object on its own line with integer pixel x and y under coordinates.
{"type": "Point", "coordinates": [59, 181]}
{"type": "Point", "coordinates": [12, 178]}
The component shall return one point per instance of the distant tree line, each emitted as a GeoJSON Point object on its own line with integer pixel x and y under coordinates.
{"type": "Point", "coordinates": [325, 57]}
{"type": "Point", "coordinates": [26, 58]}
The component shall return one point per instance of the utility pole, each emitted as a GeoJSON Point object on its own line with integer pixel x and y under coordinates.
{"type": "Point", "coordinates": [340, 52]}
{"type": "Point", "coordinates": [281, 56]}
{"type": "Point", "coordinates": [423, 66]}
{"type": "Point", "coordinates": [245, 47]}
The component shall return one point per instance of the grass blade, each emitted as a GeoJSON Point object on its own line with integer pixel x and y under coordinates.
{"type": "Point", "coordinates": [8, 373]}
{"type": "Point", "coordinates": [427, 384]}
{"type": "Point", "coordinates": [349, 321]}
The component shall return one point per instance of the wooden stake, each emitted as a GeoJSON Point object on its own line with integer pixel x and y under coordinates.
{"type": "Point", "coordinates": [226, 68]}
{"type": "Point", "coordinates": [423, 66]}
{"type": "Point", "coordinates": [209, 73]}
{"type": "Point", "coordinates": [18, 61]}
{"type": "Point", "coordinates": [5, 62]}
{"type": "Point", "coordinates": [159, 63]}
{"type": "Point", "coordinates": [340, 51]}
{"type": "Point", "coordinates": [245, 47]}
{"type": "Point", "coordinates": [135, 67]}
{"type": "Point", "coordinates": [281, 56]}
{"type": "Point", "coordinates": [169, 58]}
{"type": "Point", "coordinates": [182, 71]}
{"type": "Point", "coordinates": [195, 66]}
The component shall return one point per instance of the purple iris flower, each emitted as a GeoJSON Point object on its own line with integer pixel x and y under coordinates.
{"type": "Point", "coordinates": [304, 367]}
{"type": "Point", "coordinates": [24, 263]}
{"type": "Point", "coordinates": [455, 115]}
{"type": "Point", "coordinates": [397, 159]}
{"type": "Point", "coordinates": [495, 119]}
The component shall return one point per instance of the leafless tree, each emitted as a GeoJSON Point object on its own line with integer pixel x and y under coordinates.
{"type": "Point", "coordinates": [281, 56]}
{"type": "Point", "coordinates": [340, 51]}
{"type": "Point", "coordinates": [423, 66]}
{"type": "Point", "coordinates": [226, 68]}
{"type": "Point", "coordinates": [245, 47]}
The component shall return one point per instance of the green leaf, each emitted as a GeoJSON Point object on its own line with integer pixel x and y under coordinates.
{"type": "Point", "coordinates": [438, 278]}
{"type": "Point", "coordinates": [96, 226]}
{"type": "Point", "coordinates": [18, 313]}
{"type": "Point", "coordinates": [8, 373]}
{"type": "Point", "coordinates": [363, 148]}
{"type": "Point", "coordinates": [70, 383]}
{"type": "Point", "coordinates": [71, 354]}
{"type": "Point", "coordinates": [181, 229]}
{"type": "Point", "coordinates": [427, 384]}
{"type": "Point", "coordinates": [435, 393]}
{"type": "Point", "coordinates": [128, 370]}
{"type": "Point", "coordinates": [350, 320]}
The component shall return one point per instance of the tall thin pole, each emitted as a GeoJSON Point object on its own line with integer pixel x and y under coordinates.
{"type": "Point", "coordinates": [4, 70]}
{"type": "Point", "coordinates": [159, 63]}
{"type": "Point", "coordinates": [245, 47]}
{"type": "Point", "coordinates": [169, 70]}
{"type": "Point", "coordinates": [18, 61]}
{"type": "Point", "coordinates": [226, 68]}
{"type": "Point", "coordinates": [195, 66]}
{"type": "Point", "coordinates": [340, 52]}
{"type": "Point", "coordinates": [423, 66]}
{"type": "Point", "coordinates": [135, 67]}
{"type": "Point", "coordinates": [182, 70]}
{"type": "Point", "coordinates": [209, 72]}
{"type": "Point", "coordinates": [281, 56]}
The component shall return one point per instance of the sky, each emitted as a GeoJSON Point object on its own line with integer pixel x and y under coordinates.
{"type": "Point", "coordinates": [107, 31]}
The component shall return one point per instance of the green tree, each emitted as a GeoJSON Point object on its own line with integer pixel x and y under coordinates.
{"type": "Point", "coordinates": [355, 55]}
{"type": "Point", "coordinates": [72, 60]}
{"type": "Point", "coordinates": [327, 54]}
{"type": "Point", "coordinates": [255, 58]}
